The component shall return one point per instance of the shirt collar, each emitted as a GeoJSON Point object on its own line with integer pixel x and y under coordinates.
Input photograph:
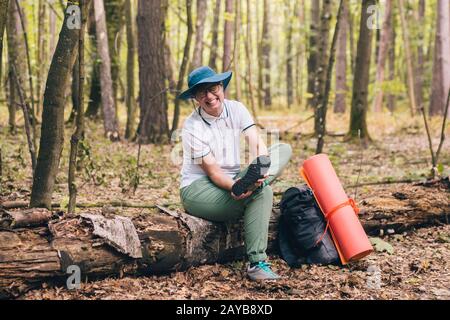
{"type": "Point", "coordinates": [208, 119]}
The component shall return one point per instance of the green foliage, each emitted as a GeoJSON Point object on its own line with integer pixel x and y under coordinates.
{"type": "Point", "coordinates": [228, 16]}
{"type": "Point", "coordinates": [85, 164]}
{"type": "Point", "coordinates": [395, 87]}
{"type": "Point", "coordinates": [129, 180]}
{"type": "Point", "coordinates": [64, 202]}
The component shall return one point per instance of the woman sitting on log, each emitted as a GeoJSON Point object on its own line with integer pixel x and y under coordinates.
{"type": "Point", "coordinates": [213, 187]}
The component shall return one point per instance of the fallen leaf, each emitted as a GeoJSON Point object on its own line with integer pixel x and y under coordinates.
{"type": "Point", "coordinates": [441, 293]}
{"type": "Point", "coordinates": [443, 238]}
{"type": "Point", "coordinates": [381, 245]}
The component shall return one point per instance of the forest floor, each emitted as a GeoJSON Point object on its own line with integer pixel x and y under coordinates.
{"type": "Point", "coordinates": [419, 267]}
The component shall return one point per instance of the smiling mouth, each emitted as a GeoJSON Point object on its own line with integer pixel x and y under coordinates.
{"type": "Point", "coordinates": [212, 102]}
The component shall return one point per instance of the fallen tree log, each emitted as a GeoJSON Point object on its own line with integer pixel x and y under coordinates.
{"type": "Point", "coordinates": [171, 241]}
{"type": "Point", "coordinates": [18, 204]}
{"type": "Point", "coordinates": [24, 218]}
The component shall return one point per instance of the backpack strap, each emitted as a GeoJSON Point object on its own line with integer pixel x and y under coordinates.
{"type": "Point", "coordinates": [349, 202]}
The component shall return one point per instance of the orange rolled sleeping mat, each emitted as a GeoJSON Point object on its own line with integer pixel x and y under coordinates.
{"type": "Point", "coordinates": [340, 212]}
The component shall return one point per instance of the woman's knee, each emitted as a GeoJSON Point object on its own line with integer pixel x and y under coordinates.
{"type": "Point", "coordinates": [282, 148]}
{"type": "Point", "coordinates": [267, 191]}
{"type": "Point", "coordinates": [286, 149]}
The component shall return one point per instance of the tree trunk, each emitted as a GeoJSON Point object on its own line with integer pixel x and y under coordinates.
{"type": "Point", "coordinates": [313, 50]}
{"type": "Point", "coordinates": [199, 31]}
{"type": "Point", "coordinates": [26, 117]}
{"type": "Point", "coordinates": [131, 54]}
{"type": "Point", "coordinates": [322, 55]}
{"type": "Point", "coordinates": [95, 93]}
{"type": "Point", "coordinates": [322, 109]}
{"type": "Point", "coordinates": [405, 33]}
{"type": "Point", "coordinates": [358, 112]}
{"type": "Point", "coordinates": [382, 54]}
{"type": "Point", "coordinates": [228, 35]}
{"type": "Point", "coordinates": [377, 42]}
{"type": "Point", "coordinates": [11, 97]}
{"type": "Point", "coordinates": [299, 74]}
{"type": "Point", "coordinates": [351, 39]}
{"type": "Point", "coordinates": [79, 121]}
{"type": "Point", "coordinates": [52, 130]}
{"type": "Point", "coordinates": [109, 110]}
{"type": "Point", "coordinates": [289, 14]}
{"type": "Point", "coordinates": [41, 54]}
{"type": "Point", "coordinates": [260, 68]}
{"type": "Point", "coordinates": [183, 67]}
{"type": "Point", "coordinates": [22, 20]}
{"type": "Point", "coordinates": [169, 66]}
{"type": "Point", "coordinates": [153, 127]}
{"type": "Point", "coordinates": [391, 53]}
{"type": "Point", "coordinates": [265, 54]}
{"type": "Point", "coordinates": [114, 10]}
{"type": "Point", "coordinates": [3, 19]}
{"type": "Point", "coordinates": [171, 241]}
{"type": "Point", "coordinates": [52, 30]}
{"type": "Point", "coordinates": [248, 53]}
{"type": "Point", "coordinates": [237, 50]}
{"type": "Point", "coordinates": [215, 36]}
{"type": "Point", "coordinates": [17, 58]}
{"type": "Point", "coordinates": [341, 62]}
{"type": "Point", "coordinates": [441, 62]}
{"type": "Point", "coordinates": [420, 69]}
{"type": "Point", "coordinates": [74, 90]}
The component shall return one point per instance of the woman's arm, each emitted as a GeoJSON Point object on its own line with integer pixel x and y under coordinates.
{"type": "Point", "coordinates": [215, 172]}
{"type": "Point", "coordinates": [256, 145]}
{"type": "Point", "coordinates": [219, 178]}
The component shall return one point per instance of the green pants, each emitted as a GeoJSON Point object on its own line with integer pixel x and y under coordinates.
{"type": "Point", "coordinates": [203, 199]}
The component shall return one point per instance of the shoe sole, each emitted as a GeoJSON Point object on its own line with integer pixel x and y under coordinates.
{"type": "Point", "coordinates": [261, 280]}
{"type": "Point", "coordinates": [255, 172]}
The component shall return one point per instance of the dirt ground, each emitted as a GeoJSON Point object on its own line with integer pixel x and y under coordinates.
{"type": "Point", "coordinates": [417, 269]}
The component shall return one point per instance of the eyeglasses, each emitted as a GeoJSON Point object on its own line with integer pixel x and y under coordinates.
{"type": "Point", "coordinates": [201, 93]}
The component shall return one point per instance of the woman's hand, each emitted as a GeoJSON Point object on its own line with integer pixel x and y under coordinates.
{"type": "Point", "coordinates": [260, 181]}
{"type": "Point", "coordinates": [242, 196]}
{"type": "Point", "coordinates": [249, 192]}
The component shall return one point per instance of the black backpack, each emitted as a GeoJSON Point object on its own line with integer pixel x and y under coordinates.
{"type": "Point", "coordinates": [301, 230]}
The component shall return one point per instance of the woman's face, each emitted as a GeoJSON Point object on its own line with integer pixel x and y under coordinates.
{"type": "Point", "coordinates": [210, 98]}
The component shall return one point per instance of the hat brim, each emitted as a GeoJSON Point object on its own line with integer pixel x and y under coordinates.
{"type": "Point", "coordinates": [224, 77]}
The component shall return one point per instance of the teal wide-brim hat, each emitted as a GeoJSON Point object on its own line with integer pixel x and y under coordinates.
{"type": "Point", "coordinates": [204, 75]}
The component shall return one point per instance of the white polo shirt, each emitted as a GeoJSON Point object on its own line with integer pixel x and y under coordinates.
{"type": "Point", "coordinates": [203, 134]}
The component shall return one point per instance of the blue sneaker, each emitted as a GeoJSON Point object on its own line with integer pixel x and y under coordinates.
{"type": "Point", "coordinates": [261, 271]}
